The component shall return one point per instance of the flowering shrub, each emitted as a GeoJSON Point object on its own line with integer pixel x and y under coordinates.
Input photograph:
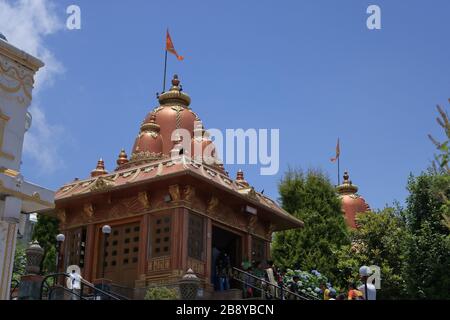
{"type": "Point", "coordinates": [309, 282]}
{"type": "Point", "coordinates": [161, 293]}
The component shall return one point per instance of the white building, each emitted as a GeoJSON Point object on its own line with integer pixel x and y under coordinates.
{"type": "Point", "coordinates": [17, 70]}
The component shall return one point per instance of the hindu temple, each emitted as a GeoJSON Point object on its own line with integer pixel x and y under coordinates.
{"type": "Point", "coordinates": [167, 210]}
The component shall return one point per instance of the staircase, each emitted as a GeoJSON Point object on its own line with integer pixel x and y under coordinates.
{"type": "Point", "coordinates": [51, 289]}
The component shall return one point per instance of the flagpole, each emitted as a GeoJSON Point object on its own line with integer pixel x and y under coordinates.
{"type": "Point", "coordinates": [165, 72]}
{"type": "Point", "coordinates": [339, 174]}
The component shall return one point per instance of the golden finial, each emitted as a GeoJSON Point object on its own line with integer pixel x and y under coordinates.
{"type": "Point", "coordinates": [100, 169]}
{"type": "Point", "coordinates": [240, 178]}
{"type": "Point", "coordinates": [123, 158]}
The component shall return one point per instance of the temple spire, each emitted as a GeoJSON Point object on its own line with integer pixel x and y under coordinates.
{"type": "Point", "coordinates": [100, 169]}
{"type": "Point", "coordinates": [123, 158]}
{"type": "Point", "coordinates": [347, 186]}
{"type": "Point", "coordinates": [240, 178]}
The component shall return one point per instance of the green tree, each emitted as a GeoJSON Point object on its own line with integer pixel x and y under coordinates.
{"type": "Point", "coordinates": [312, 198]}
{"type": "Point", "coordinates": [45, 232]}
{"type": "Point", "coordinates": [443, 158]}
{"type": "Point", "coordinates": [428, 257]}
{"type": "Point", "coordinates": [380, 240]}
{"type": "Point", "coordinates": [20, 262]}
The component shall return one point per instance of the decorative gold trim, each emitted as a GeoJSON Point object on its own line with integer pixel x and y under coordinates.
{"type": "Point", "coordinates": [4, 116]}
{"type": "Point", "coordinates": [212, 204]}
{"type": "Point", "coordinates": [88, 209]}
{"type": "Point", "coordinates": [175, 192]}
{"type": "Point", "coordinates": [61, 215]}
{"type": "Point", "coordinates": [9, 172]}
{"type": "Point", "coordinates": [101, 184]}
{"type": "Point", "coordinates": [3, 121]}
{"type": "Point", "coordinates": [144, 199]}
{"type": "Point", "coordinates": [25, 197]}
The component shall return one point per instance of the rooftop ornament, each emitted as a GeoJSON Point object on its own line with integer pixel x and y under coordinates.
{"type": "Point", "coordinates": [34, 254]}
{"type": "Point", "coordinates": [100, 169]}
{"type": "Point", "coordinates": [189, 286]}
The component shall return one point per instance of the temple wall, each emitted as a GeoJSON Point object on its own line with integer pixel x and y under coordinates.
{"type": "Point", "coordinates": [17, 70]}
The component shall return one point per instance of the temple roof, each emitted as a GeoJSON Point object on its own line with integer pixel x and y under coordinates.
{"type": "Point", "coordinates": [163, 169]}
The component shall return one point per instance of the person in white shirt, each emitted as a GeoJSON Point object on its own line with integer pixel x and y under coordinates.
{"type": "Point", "coordinates": [75, 281]}
{"type": "Point", "coordinates": [371, 290]}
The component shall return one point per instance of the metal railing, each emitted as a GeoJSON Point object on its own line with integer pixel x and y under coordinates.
{"type": "Point", "coordinates": [14, 286]}
{"type": "Point", "coordinates": [88, 291]}
{"type": "Point", "coordinates": [268, 289]}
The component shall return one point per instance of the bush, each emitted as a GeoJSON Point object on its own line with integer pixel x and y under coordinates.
{"type": "Point", "coordinates": [161, 293]}
{"type": "Point", "coordinates": [309, 282]}
{"type": "Point", "coordinates": [20, 262]}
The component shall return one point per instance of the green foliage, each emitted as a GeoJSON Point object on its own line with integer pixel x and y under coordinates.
{"type": "Point", "coordinates": [20, 262]}
{"type": "Point", "coordinates": [443, 158]}
{"type": "Point", "coordinates": [45, 232]}
{"type": "Point", "coordinates": [380, 240]}
{"type": "Point", "coordinates": [428, 246]}
{"type": "Point", "coordinates": [312, 198]}
{"type": "Point", "coordinates": [161, 293]}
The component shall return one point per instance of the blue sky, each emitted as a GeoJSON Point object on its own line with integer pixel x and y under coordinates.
{"type": "Point", "coordinates": [310, 68]}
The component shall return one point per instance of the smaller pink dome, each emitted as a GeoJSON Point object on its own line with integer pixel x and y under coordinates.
{"type": "Point", "coordinates": [352, 203]}
{"type": "Point", "coordinates": [148, 144]}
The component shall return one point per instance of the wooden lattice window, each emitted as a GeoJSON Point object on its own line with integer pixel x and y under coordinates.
{"type": "Point", "coordinates": [258, 250]}
{"type": "Point", "coordinates": [161, 227]}
{"type": "Point", "coordinates": [122, 248]}
{"type": "Point", "coordinates": [195, 237]}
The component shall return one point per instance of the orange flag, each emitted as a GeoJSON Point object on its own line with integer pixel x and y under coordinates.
{"type": "Point", "coordinates": [170, 47]}
{"type": "Point", "coordinates": [338, 152]}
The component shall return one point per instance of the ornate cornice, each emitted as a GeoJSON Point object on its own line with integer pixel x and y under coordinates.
{"type": "Point", "coordinates": [146, 155]}
{"type": "Point", "coordinates": [17, 70]}
{"type": "Point", "coordinates": [101, 184]}
{"type": "Point", "coordinates": [20, 56]}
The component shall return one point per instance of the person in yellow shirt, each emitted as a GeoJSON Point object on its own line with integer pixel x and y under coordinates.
{"type": "Point", "coordinates": [326, 291]}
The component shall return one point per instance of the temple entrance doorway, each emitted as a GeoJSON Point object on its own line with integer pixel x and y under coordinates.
{"type": "Point", "coordinates": [226, 254]}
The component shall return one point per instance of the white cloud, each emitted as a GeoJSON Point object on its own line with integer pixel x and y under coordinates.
{"type": "Point", "coordinates": [41, 143]}
{"type": "Point", "coordinates": [26, 23]}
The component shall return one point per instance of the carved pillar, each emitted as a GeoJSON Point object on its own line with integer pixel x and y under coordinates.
{"type": "Point", "coordinates": [89, 255]}
{"type": "Point", "coordinates": [185, 227]}
{"type": "Point", "coordinates": [179, 261]}
{"type": "Point", "coordinates": [8, 234]}
{"type": "Point", "coordinates": [248, 248]}
{"type": "Point", "coordinates": [143, 262]}
{"type": "Point", "coordinates": [208, 251]}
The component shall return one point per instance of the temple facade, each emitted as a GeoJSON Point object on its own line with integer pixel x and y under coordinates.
{"type": "Point", "coordinates": [17, 196]}
{"type": "Point", "coordinates": [169, 209]}
{"type": "Point", "coordinates": [352, 203]}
